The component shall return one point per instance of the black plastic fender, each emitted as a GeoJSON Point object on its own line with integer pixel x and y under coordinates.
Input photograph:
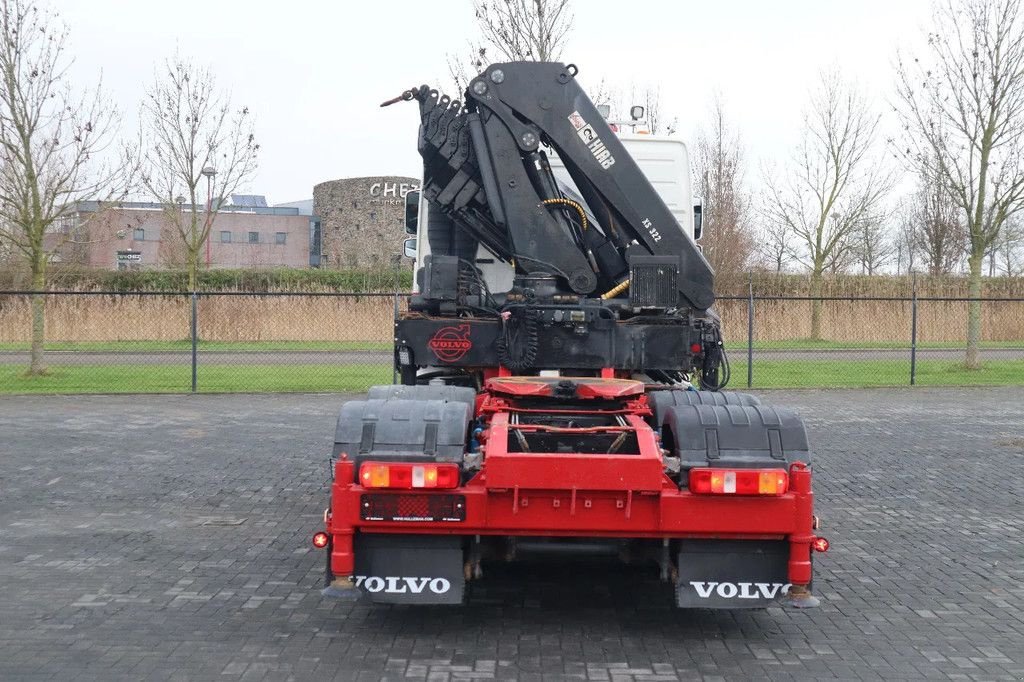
{"type": "Point", "coordinates": [734, 435]}
{"type": "Point", "coordinates": [661, 400]}
{"type": "Point", "coordinates": [416, 430]}
{"type": "Point", "coordinates": [444, 392]}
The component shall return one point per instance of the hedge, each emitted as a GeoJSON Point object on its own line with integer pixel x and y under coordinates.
{"type": "Point", "coordinates": [277, 279]}
{"type": "Point", "coordinates": [388, 279]}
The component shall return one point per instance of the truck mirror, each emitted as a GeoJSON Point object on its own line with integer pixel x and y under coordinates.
{"type": "Point", "coordinates": [698, 219]}
{"type": "Point", "coordinates": [412, 212]}
{"type": "Point", "coordinates": [409, 247]}
{"type": "Point", "coordinates": [636, 112]}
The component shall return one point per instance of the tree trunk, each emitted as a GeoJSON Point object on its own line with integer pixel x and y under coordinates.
{"type": "Point", "coordinates": [815, 304]}
{"type": "Point", "coordinates": [972, 361]}
{"type": "Point", "coordinates": [193, 267]}
{"type": "Point", "coordinates": [37, 365]}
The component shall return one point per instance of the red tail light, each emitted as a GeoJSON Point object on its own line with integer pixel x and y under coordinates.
{"type": "Point", "coordinates": [402, 475]}
{"type": "Point", "coordinates": [739, 481]}
{"type": "Point", "coordinates": [820, 544]}
{"type": "Point", "coordinates": [320, 540]}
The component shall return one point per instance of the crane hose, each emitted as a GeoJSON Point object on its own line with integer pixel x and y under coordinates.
{"type": "Point", "coordinates": [616, 290]}
{"type": "Point", "coordinates": [571, 204]}
{"type": "Point", "coordinates": [518, 339]}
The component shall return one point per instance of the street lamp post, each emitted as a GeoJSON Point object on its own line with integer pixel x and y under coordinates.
{"type": "Point", "coordinates": [209, 172]}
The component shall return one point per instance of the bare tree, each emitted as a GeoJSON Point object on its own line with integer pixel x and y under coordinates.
{"type": "Point", "coordinates": [194, 140]}
{"type": "Point", "coordinates": [833, 185]}
{"type": "Point", "coordinates": [524, 30]}
{"type": "Point", "coordinates": [620, 106]}
{"type": "Point", "coordinates": [52, 142]}
{"type": "Point", "coordinates": [873, 247]}
{"type": "Point", "coordinates": [6, 249]}
{"type": "Point", "coordinates": [651, 102]}
{"type": "Point", "coordinates": [514, 31]}
{"type": "Point", "coordinates": [1010, 248]}
{"type": "Point", "coordinates": [906, 243]}
{"type": "Point", "coordinates": [1002, 253]}
{"type": "Point", "coordinates": [462, 68]}
{"type": "Point", "coordinates": [963, 114]}
{"type": "Point", "coordinates": [648, 97]}
{"type": "Point", "coordinates": [720, 166]}
{"type": "Point", "coordinates": [775, 246]}
{"type": "Point", "coordinates": [939, 230]}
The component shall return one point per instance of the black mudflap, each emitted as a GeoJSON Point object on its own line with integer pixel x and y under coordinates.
{"type": "Point", "coordinates": [732, 574]}
{"type": "Point", "coordinates": [410, 569]}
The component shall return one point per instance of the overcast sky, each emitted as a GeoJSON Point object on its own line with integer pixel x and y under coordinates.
{"type": "Point", "coordinates": [314, 72]}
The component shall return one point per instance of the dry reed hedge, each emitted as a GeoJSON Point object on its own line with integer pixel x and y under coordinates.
{"type": "Point", "coordinates": [98, 318]}
{"type": "Point", "coordinates": [937, 321]}
{"type": "Point", "coordinates": [361, 318]}
{"type": "Point", "coordinates": [296, 318]}
{"type": "Point", "coordinates": [221, 318]}
{"type": "Point", "coordinates": [864, 286]}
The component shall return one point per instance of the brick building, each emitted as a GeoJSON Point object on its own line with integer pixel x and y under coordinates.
{"type": "Point", "coordinates": [362, 220]}
{"type": "Point", "coordinates": [139, 235]}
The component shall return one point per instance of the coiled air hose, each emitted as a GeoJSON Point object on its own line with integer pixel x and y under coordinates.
{"type": "Point", "coordinates": [517, 344]}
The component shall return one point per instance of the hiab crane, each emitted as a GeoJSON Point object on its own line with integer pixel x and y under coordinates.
{"type": "Point", "coordinates": [560, 365]}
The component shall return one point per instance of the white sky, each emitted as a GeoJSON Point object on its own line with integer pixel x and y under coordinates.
{"type": "Point", "coordinates": [314, 72]}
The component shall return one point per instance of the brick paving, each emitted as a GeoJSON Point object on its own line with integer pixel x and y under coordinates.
{"type": "Point", "coordinates": [167, 537]}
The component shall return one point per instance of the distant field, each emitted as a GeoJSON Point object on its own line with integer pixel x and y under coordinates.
{"type": "Point", "coordinates": [348, 378]}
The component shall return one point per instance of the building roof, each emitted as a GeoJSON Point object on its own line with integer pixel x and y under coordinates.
{"type": "Point", "coordinates": [94, 206]}
{"type": "Point", "coordinates": [305, 206]}
{"type": "Point", "coordinates": [248, 201]}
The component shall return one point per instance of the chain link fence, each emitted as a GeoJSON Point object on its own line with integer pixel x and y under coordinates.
{"type": "Point", "coordinates": [801, 341]}
{"type": "Point", "coordinates": [104, 342]}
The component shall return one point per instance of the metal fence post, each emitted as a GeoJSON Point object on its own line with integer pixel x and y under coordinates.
{"type": "Point", "coordinates": [913, 331]}
{"type": "Point", "coordinates": [195, 340]}
{"type": "Point", "coordinates": [750, 331]}
{"type": "Point", "coordinates": [394, 328]}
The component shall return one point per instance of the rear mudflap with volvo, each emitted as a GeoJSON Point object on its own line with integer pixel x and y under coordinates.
{"type": "Point", "coordinates": [421, 570]}
{"type": "Point", "coordinates": [732, 574]}
{"type": "Point", "coordinates": [409, 569]}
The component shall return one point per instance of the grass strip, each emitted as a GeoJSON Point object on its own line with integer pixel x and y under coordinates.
{"type": "Point", "coordinates": [868, 373]}
{"type": "Point", "coordinates": [76, 379]}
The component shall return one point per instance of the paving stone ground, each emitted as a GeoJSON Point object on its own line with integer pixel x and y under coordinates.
{"type": "Point", "coordinates": [167, 537]}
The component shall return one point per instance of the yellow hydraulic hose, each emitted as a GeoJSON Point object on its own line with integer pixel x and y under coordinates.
{"type": "Point", "coordinates": [616, 290]}
{"type": "Point", "coordinates": [571, 204]}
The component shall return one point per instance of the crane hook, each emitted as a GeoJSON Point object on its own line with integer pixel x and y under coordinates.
{"type": "Point", "coordinates": [404, 97]}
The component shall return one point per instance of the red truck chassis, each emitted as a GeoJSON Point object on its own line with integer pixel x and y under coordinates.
{"type": "Point", "coordinates": [570, 494]}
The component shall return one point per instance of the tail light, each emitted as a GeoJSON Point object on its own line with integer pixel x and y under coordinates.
{"type": "Point", "coordinates": [320, 540]}
{"type": "Point", "coordinates": [402, 475]}
{"type": "Point", "coordinates": [739, 481]}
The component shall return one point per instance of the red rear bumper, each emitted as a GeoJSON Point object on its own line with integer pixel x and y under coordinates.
{"type": "Point", "coordinates": [587, 496]}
